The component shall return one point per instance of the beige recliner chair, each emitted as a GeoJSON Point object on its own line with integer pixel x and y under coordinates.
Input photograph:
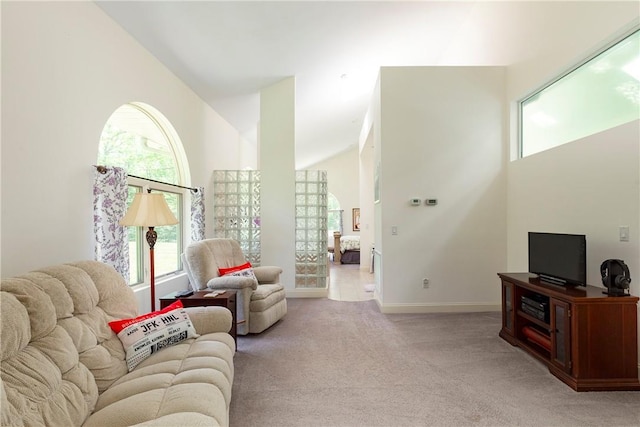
{"type": "Point", "coordinates": [260, 303]}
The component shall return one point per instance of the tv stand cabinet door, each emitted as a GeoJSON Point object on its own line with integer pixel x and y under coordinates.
{"type": "Point", "coordinates": [561, 334]}
{"type": "Point", "coordinates": [508, 331]}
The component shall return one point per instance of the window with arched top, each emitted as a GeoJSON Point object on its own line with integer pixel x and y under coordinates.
{"type": "Point", "coordinates": [334, 215]}
{"type": "Point", "coordinates": [138, 138]}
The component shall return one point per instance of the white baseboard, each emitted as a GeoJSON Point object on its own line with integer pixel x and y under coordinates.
{"type": "Point", "coordinates": [438, 308]}
{"type": "Point", "coordinates": [307, 293]}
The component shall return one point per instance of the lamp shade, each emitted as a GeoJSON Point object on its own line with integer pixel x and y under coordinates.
{"type": "Point", "coordinates": [148, 210]}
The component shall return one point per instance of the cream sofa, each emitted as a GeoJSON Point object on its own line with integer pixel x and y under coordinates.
{"type": "Point", "coordinates": [62, 365]}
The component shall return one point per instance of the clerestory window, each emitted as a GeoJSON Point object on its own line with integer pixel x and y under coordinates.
{"type": "Point", "coordinates": [601, 93]}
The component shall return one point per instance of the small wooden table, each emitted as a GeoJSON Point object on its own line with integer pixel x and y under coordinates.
{"type": "Point", "coordinates": [198, 299]}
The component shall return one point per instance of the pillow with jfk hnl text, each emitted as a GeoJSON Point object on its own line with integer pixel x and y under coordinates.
{"type": "Point", "coordinates": [149, 333]}
{"type": "Point", "coordinates": [244, 270]}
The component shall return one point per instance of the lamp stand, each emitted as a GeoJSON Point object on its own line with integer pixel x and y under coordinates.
{"type": "Point", "coordinates": [152, 236]}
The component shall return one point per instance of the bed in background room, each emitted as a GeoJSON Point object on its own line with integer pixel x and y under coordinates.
{"type": "Point", "coordinates": [346, 249]}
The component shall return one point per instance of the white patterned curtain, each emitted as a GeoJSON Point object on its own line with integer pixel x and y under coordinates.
{"type": "Point", "coordinates": [197, 214]}
{"type": "Point", "coordinates": [109, 206]}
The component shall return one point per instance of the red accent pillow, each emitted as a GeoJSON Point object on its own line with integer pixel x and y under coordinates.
{"type": "Point", "coordinates": [149, 333]}
{"type": "Point", "coordinates": [229, 270]}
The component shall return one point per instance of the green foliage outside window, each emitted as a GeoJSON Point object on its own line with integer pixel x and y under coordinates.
{"type": "Point", "coordinates": [137, 154]}
{"type": "Point", "coordinates": [133, 140]}
{"type": "Point", "coordinates": [334, 215]}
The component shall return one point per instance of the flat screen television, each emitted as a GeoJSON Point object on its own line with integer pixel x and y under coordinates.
{"type": "Point", "coordinates": [559, 258]}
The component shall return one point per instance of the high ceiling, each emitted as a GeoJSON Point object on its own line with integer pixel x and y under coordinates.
{"type": "Point", "coordinates": [228, 51]}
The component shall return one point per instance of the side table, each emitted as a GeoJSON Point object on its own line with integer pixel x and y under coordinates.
{"type": "Point", "coordinates": [198, 299]}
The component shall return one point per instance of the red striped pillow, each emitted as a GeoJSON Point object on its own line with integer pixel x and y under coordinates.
{"type": "Point", "coordinates": [243, 270]}
{"type": "Point", "coordinates": [229, 270]}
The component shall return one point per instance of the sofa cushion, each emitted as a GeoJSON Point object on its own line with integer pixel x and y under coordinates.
{"type": "Point", "coordinates": [58, 352]}
{"type": "Point", "coordinates": [151, 332]}
{"type": "Point", "coordinates": [43, 379]}
{"type": "Point", "coordinates": [195, 375]}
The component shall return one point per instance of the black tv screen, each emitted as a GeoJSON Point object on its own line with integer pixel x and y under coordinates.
{"type": "Point", "coordinates": [559, 258]}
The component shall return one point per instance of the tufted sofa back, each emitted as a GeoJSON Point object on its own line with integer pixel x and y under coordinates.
{"type": "Point", "coordinates": [58, 352]}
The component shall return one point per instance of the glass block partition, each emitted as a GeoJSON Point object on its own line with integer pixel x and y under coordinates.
{"type": "Point", "coordinates": [237, 216]}
{"type": "Point", "coordinates": [311, 229]}
{"type": "Point", "coordinates": [236, 209]}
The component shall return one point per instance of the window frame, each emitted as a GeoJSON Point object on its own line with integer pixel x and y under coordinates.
{"type": "Point", "coordinates": [339, 211]}
{"type": "Point", "coordinates": [142, 245]}
{"type": "Point", "coordinates": [182, 170]}
{"type": "Point", "coordinates": [140, 265]}
{"type": "Point", "coordinates": [615, 40]}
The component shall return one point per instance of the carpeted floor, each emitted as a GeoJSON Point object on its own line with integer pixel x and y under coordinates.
{"type": "Point", "coordinates": [332, 363]}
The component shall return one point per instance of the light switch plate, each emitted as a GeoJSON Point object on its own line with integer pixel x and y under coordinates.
{"type": "Point", "coordinates": [624, 233]}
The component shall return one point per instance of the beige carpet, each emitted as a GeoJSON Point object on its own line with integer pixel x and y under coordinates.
{"type": "Point", "coordinates": [332, 363]}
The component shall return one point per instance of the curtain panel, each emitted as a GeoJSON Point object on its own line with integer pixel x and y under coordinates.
{"type": "Point", "coordinates": [109, 206]}
{"type": "Point", "coordinates": [197, 214]}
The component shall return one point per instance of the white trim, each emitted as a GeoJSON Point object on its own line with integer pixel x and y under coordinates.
{"type": "Point", "coordinates": [438, 308]}
{"type": "Point", "coordinates": [172, 137]}
{"type": "Point", "coordinates": [307, 293]}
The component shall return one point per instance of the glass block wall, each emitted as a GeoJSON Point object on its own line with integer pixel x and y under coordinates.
{"type": "Point", "coordinates": [237, 216]}
{"type": "Point", "coordinates": [311, 229]}
{"type": "Point", "coordinates": [236, 209]}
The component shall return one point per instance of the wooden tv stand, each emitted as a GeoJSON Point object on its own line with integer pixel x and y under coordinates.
{"type": "Point", "coordinates": [588, 339]}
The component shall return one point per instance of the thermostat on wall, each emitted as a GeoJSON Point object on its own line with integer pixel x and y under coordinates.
{"type": "Point", "coordinates": [415, 202]}
{"type": "Point", "coordinates": [431, 202]}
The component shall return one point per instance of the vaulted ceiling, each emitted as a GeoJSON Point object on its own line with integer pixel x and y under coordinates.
{"type": "Point", "coordinates": [228, 51]}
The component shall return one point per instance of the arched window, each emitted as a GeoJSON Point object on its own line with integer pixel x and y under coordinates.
{"type": "Point", "coordinates": [334, 215]}
{"type": "Point", "coordinates": [138, 138]}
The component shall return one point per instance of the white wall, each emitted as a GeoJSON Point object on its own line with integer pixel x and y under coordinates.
{"type": "Point", "coordinates": [65, 68]}
{"type": "Point", "coordinates": [343, 181]}
{"type": "Point", "coordinates": [442, 136]}
{"type": "Point", "coordinates": [367, 241]}
{"type": "Point", "coordinates": [589, 186]}
{"type": "Point", "coordinates": [278, 179]}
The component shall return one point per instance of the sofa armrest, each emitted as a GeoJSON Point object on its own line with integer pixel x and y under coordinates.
{"type": "Point", "coordinates": [267, 274]}
{"type": "Point", "coordinates": [232, 282]}
{"type": "Point", "coordinates": [210, 319]}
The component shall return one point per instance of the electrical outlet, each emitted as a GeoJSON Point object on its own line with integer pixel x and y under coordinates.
{"type": "Point", "coordinates": [425, 283]}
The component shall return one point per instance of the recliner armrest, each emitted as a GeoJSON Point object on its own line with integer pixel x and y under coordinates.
{"type": "Point", "coordinates": [232, 282]}
{"type": "Point", "coordinates": [210, 319]}
{"type": "Point", "coordinates": [267, 274]}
